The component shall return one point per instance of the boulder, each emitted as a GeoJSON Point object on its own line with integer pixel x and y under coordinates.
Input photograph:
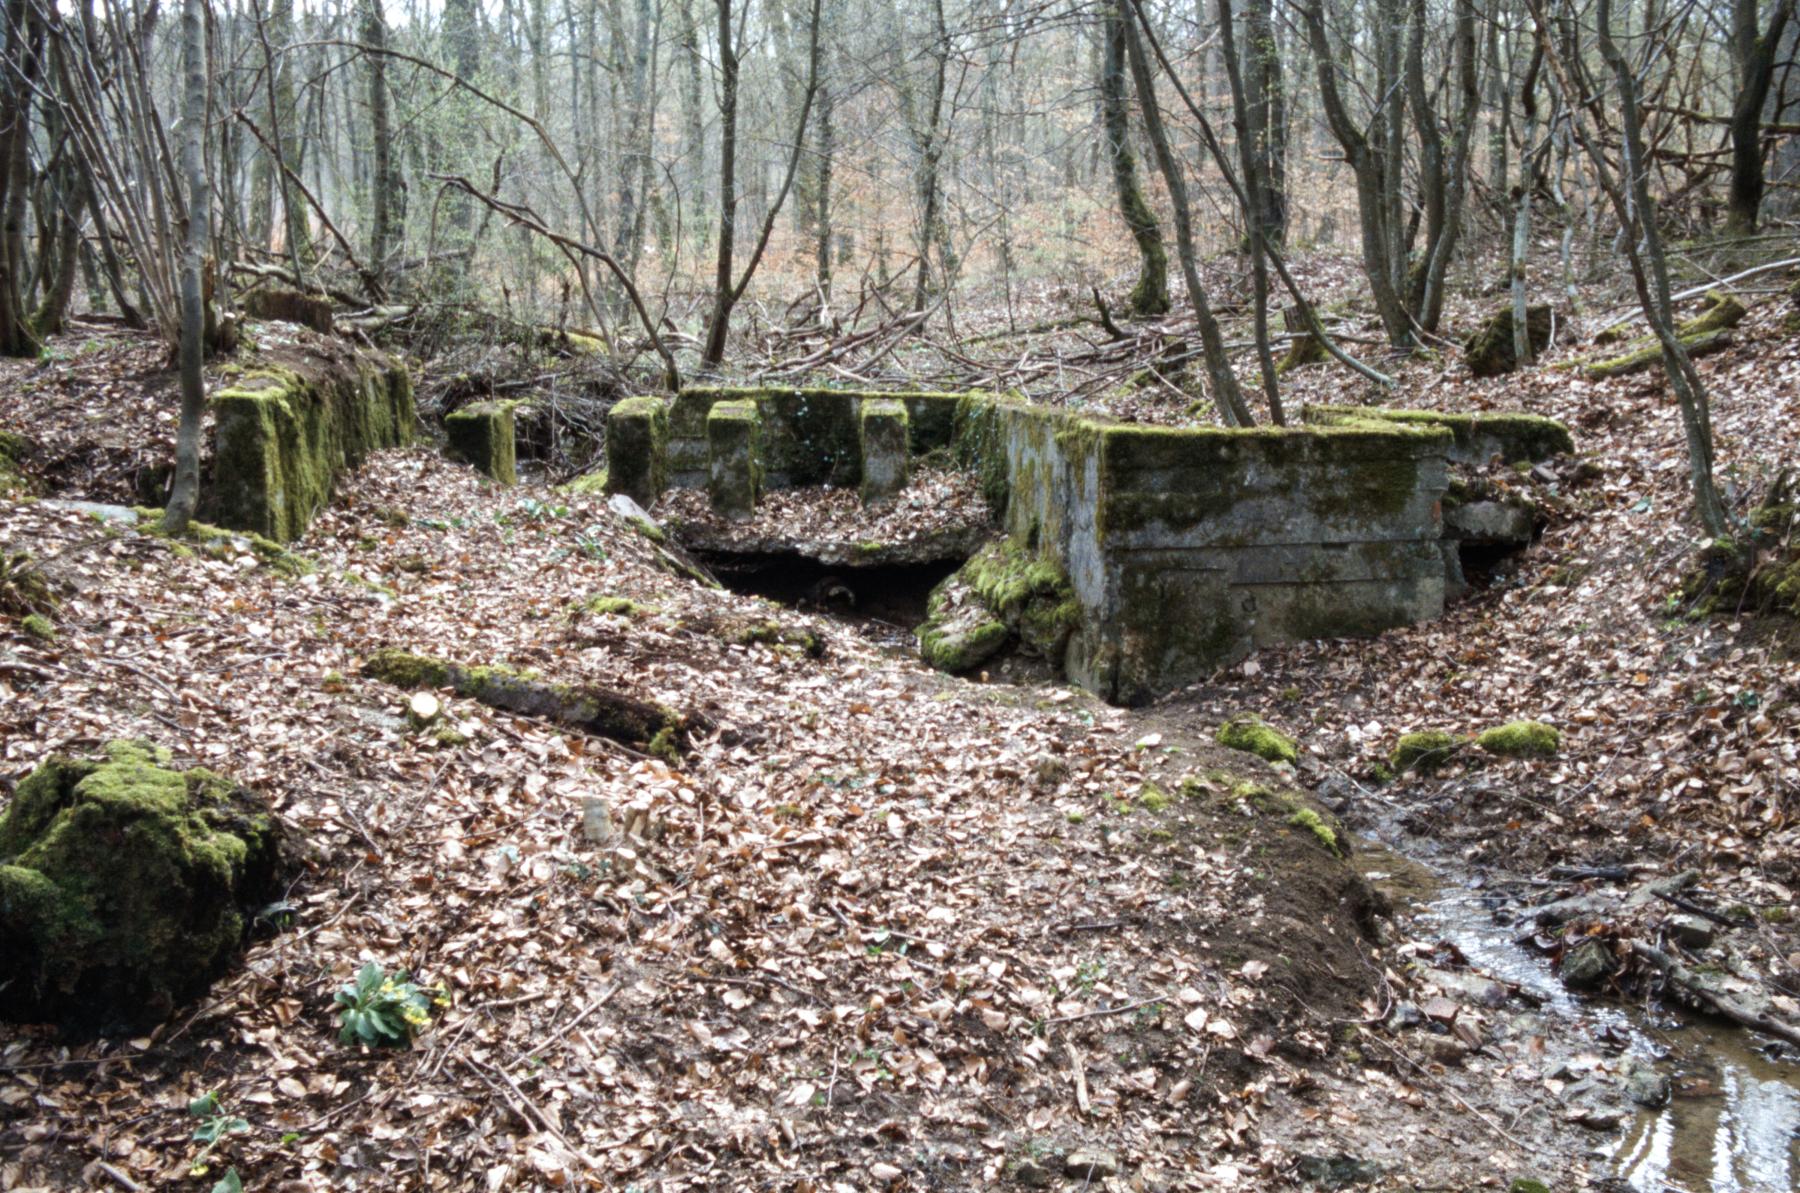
{"type": "Point", "coordinates": [1489, 351]}
{"type": "Point", "coordinates": [126, 887]}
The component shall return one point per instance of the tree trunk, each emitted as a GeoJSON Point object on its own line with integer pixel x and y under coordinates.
{"type": "Point", "coordinates": [184, 495]}
{"type": "Point", "coordinates": [23, 47]}
{"type": "Point", "coordinates": [1150, 296]}
{"type": "Point", "coordinates": [1753, 54]}
{"type": "Point", "coordinates": [719, 326]}
{"type": "Point", "coordinates": [384, 180]}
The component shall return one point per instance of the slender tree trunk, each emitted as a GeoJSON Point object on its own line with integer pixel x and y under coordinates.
{"type": "Point", "coordinates": [1265, 117]}
{"type": "Point", "coordinates": [719, 326]}
{"type": "Point", "coordinates": [1150, 296]}
{"type": "Point", "coordinates": [384, 180]}
{"type": "Point", "coordinates": [1252, 160]}
{"type": "Point", "coordinates": [23, 46]}
{"type": "Point", "coordinates": [184, 495]}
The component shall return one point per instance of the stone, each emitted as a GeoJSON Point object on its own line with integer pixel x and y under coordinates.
{"type": "Point", "coordinates": [1033, 1175]}
{"type": "Point", "coordinates": [1644, 1085]}
{"type": "Point", "coordinates": [1691, 931]}
{"type": "Point", "coordinates": [1337, 1172]}
{"type": "Point", "coordinates": [1406, 1014]}
{"type": "Point", "coordinates": [882, 431]}
{"type": "Point", "coordinates": [481, 434]}
{"type": "Point", "coordinates": [1490, 351]}
{"type": "Point", "coordinates": [960, 633]}
{"type": "Point", "coordinates": [1499, 523]}
{"type": "Point", "coordinates": [734, 458]}
{"type": "Point", "coordinates": [1588, 964]}
{"type": "Point", "coordinates": [1090, 1164]}
{"type": "Point", "coordinates": [1253, 737]}
{"type": "Point", "coordinates": [637, 449]}
{"type": "Point", "coordinates": [1521, 739]}
{"type": "Point", "coordinates": [1424, 752]}
{"type": "Point", "coordinates": [197, 854]}
{"type": "Point", "coordinates": [122, 515]}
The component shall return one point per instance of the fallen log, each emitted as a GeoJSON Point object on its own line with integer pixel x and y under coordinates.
{"type": "Point", "coordinates": [650, 728]}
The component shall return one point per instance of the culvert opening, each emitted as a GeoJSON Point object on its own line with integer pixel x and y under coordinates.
{"type": "Point", "coordinates": [887, 597]}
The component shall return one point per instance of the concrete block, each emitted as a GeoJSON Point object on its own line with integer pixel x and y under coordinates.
{"type": "Point", "coordinates": [637, 449]}
{"type": "Point", "coordinates": [734, 457]}
{"type": "Point", "coordinates": [882, 428]}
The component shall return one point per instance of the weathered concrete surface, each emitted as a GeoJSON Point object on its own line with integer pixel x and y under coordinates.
{"type": "Point", "coordinates": [637, 449]}
{"type": "Point", "coordinates": [1184, 548]}
{"type": "Point", "coordinates": [284, 433]}
{"type": "Point", "coordinates": [881, 437]}
{"type": "Point", "coordinates": [734, 457]}
{"type": "Point", "coordinates": [482, 434]}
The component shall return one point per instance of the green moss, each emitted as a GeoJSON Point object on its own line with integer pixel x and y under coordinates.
{"type": "Point", "coordinates": [614, 606]}
{"type": "Point", "coordinates": [1521, 739]}
{"type": "Point", "coordinates": [13, 480]}
{"type": "Point", "coordinates": [1474, 437]}
{"type": "Point", "coordinates": [637, 449]}
{"type": "Point", "coordinates": [648, 529]}
{"type": "Point", "coordinates": [774, 634]}
{"type": "Point", "coordinates": [663, 745]}
{"type": "Point", "coordinates": [956, 650]}
{"type": "Point", "coordinates": [1424, 752]}
{"type": "Point", "coordinates": [404, 669]}
{"type": "Point", "coordinates": [38, 626]}
{"type": "Point", "coordinates": [587, 484]}
{"type": "Point", "coordinates": [123, 885]}
{"type": "Point", "coordinates": [219, 543]}
{"type": "Point", "coordinates": [1153, 798]}
{"type": "Point", "coordinates": [1489, 349]}
{"type": "Point", "coordinates": [1705, 333]}
{"type": "Point", "coordinates": [481, 434]}
{"type": "Point", "coordinates": [1313, 823]}
{"type": "Point", "coordinates": [1525, 1184]}
{"type": "Point", "coordinates": [1252, 736]}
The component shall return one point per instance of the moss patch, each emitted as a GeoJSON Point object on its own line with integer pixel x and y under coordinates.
{"type": "Point", "coordinates": [1253, 737]}
{"type": "Point", "coordinates": [124, 886]}
{"type": "Point", "coordinates": [1310, 820]}
{"type": "Point", "coordinates": [1424, 752]}
{"type": "Point", "coordinates": [218, 543]}
{"type": "Point", "coordinates": [36, 625]}
{"type": "Point", "coordinates": [1521, 739]}
{"type": "Point", "coordinates": [1002, 595]}
{"type": "Point", "coordinates": [1705, 333]}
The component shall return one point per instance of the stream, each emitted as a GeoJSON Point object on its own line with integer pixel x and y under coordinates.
{"type": "Point", "coordinates": [1733, 1122]}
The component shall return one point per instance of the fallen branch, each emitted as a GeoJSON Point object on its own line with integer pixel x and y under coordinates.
{"type": "Point", "coordinates": [1697, 987]}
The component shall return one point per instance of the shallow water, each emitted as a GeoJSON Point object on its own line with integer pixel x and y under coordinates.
{"type": "Point", "coordinates": [1733, 1125]}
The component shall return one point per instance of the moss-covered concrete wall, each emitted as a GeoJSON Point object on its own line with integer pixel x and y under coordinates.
{"type": "Point", "coordinates": [1185, 548]}
{"type": "Point", "coordinates": [283, 434]}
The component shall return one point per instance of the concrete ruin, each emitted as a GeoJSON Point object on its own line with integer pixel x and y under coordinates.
{"type": "Point", "coordinates": [1184, 548]}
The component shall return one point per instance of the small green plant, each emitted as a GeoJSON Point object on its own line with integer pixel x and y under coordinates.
{"type": "Point", "coordinates": [215, 1125]}
{"type": "Point", "coordinates": [379, 1008]}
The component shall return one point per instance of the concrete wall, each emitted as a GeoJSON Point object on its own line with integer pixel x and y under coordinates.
{"type": "Point", "coordinates": [1187, 548]}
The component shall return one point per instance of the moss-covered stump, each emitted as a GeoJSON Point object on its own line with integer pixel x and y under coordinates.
{"type": "Point", "coordinates": [290, 306]}
{"type": "Point", "coordinates": [1489, 350]}
{"type": "Point", "coordinates": [882, 430]}
{"type": "Point", "coordinates": [637, 723]}
{"type": "Point", "coordinates": [481, 434]}
{"type": "Point", "coordinates": [734, 457]}
{"type": "Point", "coordinates": [1758, 574]}
{"type": "Point", "coordinates": [1305, 348]}
{"type": "Point", "coordinates": [1003, 596]}
{"type": "Point", "coordinates": [1704, 334]}
{"type": "Point", "coordinates": [126, 887]}
{"type": "Point", "coordinates": [637, 449]}
{"type": "Point", "coordinates": [1250, 735]}
{"type": "Point", "coordinates": [1521, 739]}
{"type": "Point", "coordinates": [283, 436]}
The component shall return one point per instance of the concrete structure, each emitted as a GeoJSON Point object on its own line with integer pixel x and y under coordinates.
{"type": "Point", "coordinates": [1185, 548]}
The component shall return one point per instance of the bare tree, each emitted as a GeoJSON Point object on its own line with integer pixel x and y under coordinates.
{"type": "Point", "coordinates": [184, 495]}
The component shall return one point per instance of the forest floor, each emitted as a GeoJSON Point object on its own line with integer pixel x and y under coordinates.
{"type": "Point", "coordinates": [875, 927]}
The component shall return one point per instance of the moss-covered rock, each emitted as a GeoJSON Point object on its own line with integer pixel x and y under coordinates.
{"type": "Point", "coordinates": [24, 589]}
{"type": "Point", "coordinates": [1424, 752]}
{"type": "Point", "coordinates": [1252, 736]}
{"type": "Point", "coordinates": [216, 542]}
{"type": "Point", "coordinates": [1003, 595]}
{"type": "Point", "coordinates": [481, 434]}
{"type": "Point", "coordinates": [1521, 739]}
{"type": "Point", "coordinates": [1489, 350]}
{"type": "Point", "coordinates": [36, 625]}
{"type": "Point", "coordinates": [126, 886]}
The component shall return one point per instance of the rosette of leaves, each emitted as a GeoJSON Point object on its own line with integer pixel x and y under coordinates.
{"type": "Point", "coordinates": [380, 1008]}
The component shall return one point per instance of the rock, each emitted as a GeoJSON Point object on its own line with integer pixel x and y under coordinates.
{"type": "Point", "coordinates": [1337, 1172]}
{"type": "Point", "coordinates": [1489, 351]}
{"type": "Point", "coordinates": [1521, 739]}
{"type": "Point", "coordinates": [1691, 931]}
{"type": "Point", "coordinates": [124, 515]}
{"type": "Point", "coordinates": [1497, 523]}
{"type": "Point", "coordinates": [596, 820]}
{"type": "Point", "coordinates": [885, 1173]}
{"type": "Point", "coordinates": [1469, 987]}
{"type": "Point", "coordinates": [197, 852]}
{"type": "Point", "coordinates": [1644, 1085]}
{"type": "Point", "coordinates": [1588, 964]}
{"type": "Point", "coordinates": [1406, 1014]}
{"type": "Point", "coordinates": [1033, 1175]}
{"type": "Point", "coordinates": [1424, 752]}
{"type": "Point", "coordinates": [1589, 906]}
{"type": "Point", "coordinates": [1090, 1164]}
{"type": "Point", "coordinates": [1252, 736]}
